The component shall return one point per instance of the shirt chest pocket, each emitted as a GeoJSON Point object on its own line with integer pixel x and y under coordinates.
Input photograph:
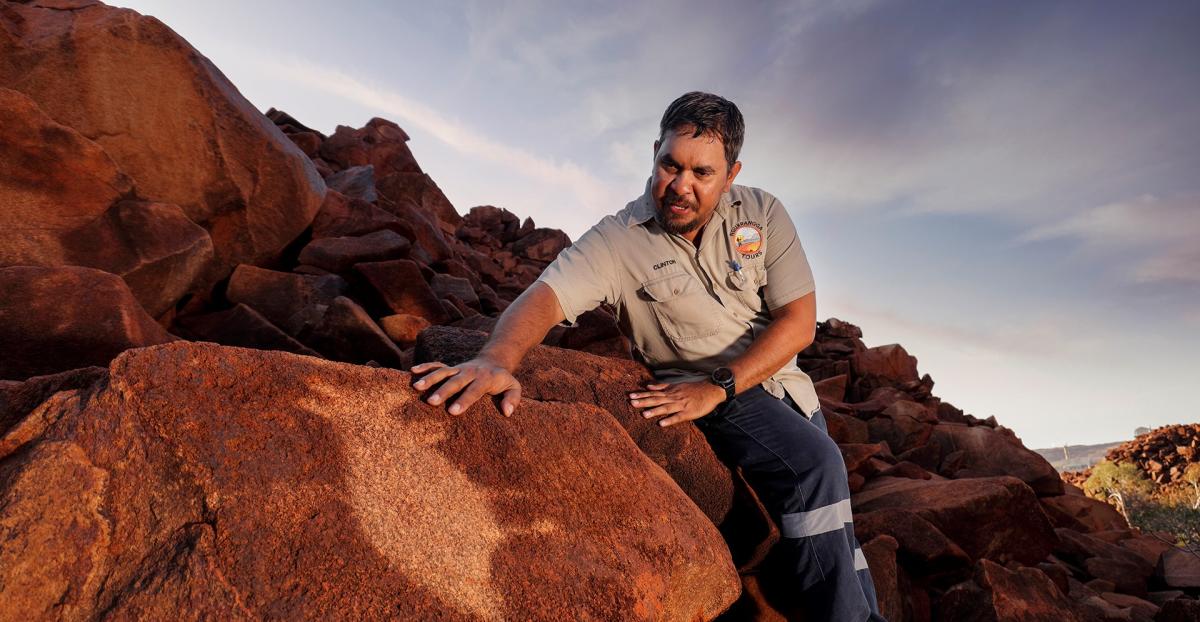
{"type": "Point", "coordinates": [683, 307]}
{"type": "Point", "coordinates": [747, 282]}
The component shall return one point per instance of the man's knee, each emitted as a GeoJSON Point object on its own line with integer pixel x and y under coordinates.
{"type": "Point", "coordinates": [823, 457]}
{"type": "Point", "coordinates": [830, 456]}
{"type": "Point", "coordinates": [824, 483]}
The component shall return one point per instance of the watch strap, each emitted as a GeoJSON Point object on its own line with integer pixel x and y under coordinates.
{"type": "Point", "coordinates": [729, 385]}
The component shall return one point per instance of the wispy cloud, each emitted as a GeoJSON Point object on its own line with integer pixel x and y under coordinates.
{"type": "Point", "coordinates": [1192, 317]}
{"type": "Point", "coordinates": [543, 44]}
{"type": "Point", "coordinates": [594, 195]}
{"type": "Point", "coordinates": [1179, 263]}
{"type": "Point", "coordinates": [916, 105]}
{"type": "Point", "coordinates": [1164, 231]}
{"type": "Point", "coordinates": [1041, 333]}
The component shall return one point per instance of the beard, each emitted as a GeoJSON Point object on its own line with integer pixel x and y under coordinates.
{"type": "Point", "coordinates": [676, 223]}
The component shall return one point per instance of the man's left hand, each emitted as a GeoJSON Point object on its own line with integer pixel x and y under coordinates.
{"type": "Point", "coordinates": [684, 401]}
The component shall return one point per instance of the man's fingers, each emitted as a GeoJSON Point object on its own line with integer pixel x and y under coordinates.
{"type": "Point", "coordinates": [665, 409]}
{"type": "Point", "coordinates": [420, 367]}
{"type": "Point", "coordinates": [647, 402]}
{"type": "Point", "coordinates": [469, 396]}
{"type": "Point", "coordinates": [512, 397]}
{"type": "Point", "coordinates": [657, 386]}
{"type": "Point", "coordinates": [672, 420]}
{"type": "Point", "coordinates": [450, 387]}
{"type": "Point", "coordinates": [435, 377]}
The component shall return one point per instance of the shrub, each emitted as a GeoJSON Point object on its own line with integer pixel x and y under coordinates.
{"type": "Point", "coordinates": [1174, 510]}
{"type": "Point", "coordinates": [1116, 483]}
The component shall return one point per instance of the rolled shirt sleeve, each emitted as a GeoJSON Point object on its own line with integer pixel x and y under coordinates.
{"type": "Point", "coordinates": [584, 275]}
{"type": "Point", "coordinates": [789, 275]}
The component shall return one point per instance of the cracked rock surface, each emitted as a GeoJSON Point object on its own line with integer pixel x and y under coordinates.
{"type": "Point", "coordinates": [232, 483]}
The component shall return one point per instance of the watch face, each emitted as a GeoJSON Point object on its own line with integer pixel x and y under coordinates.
{"type": "Point", "coordinates": [722, 374]}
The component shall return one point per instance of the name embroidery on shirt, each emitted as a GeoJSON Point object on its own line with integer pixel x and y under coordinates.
{"type": "Point", "coordinates": [668, 262]}
{"type": "Point", "coordinates": [747, 238]}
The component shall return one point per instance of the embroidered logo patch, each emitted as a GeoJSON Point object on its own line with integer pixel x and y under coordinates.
{"type": "Point", "coordinates": [747, 238]}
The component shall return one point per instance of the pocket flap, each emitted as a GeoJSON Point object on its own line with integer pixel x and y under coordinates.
{"type": "Point", "coordinates": [669, 287]}
{"type": "Point", "coordinates": [751, 279]}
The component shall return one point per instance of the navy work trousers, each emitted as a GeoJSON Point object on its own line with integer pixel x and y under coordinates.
{"type": "Point", "coordinates": [798, 473]}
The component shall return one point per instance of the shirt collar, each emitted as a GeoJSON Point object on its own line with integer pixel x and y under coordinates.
{"type": "Point", "coordinates": [643, 207]}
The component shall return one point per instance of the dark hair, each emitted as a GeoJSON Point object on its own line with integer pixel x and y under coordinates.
{"type": "Point", "coordinates": [706, 113]}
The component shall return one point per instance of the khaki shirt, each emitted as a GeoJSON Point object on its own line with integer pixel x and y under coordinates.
{"type": "Point", "coordinates": [687, 309]}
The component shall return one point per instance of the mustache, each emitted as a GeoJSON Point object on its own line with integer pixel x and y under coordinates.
{"type": "Point", "coordinates": [669, 199]}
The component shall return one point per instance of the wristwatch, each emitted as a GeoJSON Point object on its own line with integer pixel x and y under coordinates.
{"type": "Point", "coordinates": [723, 377]}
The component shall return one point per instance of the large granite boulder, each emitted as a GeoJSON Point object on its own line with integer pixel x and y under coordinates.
{"type": "Point", "coordinates": [227, 483]}
{"type": "Point", "coordinates": [55, 319]}
{"type": "Point", "coordinates": [549, 373]}
{"type": "Point", "coordinates": [988, 452]}
{"type": "Point", "coordinates": [998, 518]}
{"type": "Point", "coordinates": [19, 397]}
{"type": "Point", "coordinates": [168, 118]}
{"type": "Point", "coordinates": [64, 201]}
{"type": "Point", "coordinates": [240, 326]}
{"type": "Point", "coordinates": [52, 178]}
{"type": "Point", "coordinates": [998, 594]}
{"type": "Point", "coordinates": [1082, 513]}
{"type": "Point", "coordinates": [889, 363]}
{"type": "Point", "coordinates": [293, 302]}
{"type": "Point", "coordinates": [419, 189]}
{"type": "Point", "coordinates": [380, 144]}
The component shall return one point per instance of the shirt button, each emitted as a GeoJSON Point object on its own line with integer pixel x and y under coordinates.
{"type": "Point", "coordinates": [676, 291]}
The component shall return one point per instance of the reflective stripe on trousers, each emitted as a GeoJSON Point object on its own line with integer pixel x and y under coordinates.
{"type": "Point", "coordinates": [799, 475]}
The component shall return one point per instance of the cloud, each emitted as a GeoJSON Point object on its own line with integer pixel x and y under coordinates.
{"type": "Point", "coordinates": [1144, 219]}
{"type": "Point", "coordinates": [1192, 317]}
{"type": "Point", "coordinates": [542, 44]}
{"type": "Point", "coordinates": [1042, 334]}
{"type": "Point", "coordinates": [921, 107]}
{"type": "Point", "coordinates": [1179, 263]}
{"type": "Point", "coordinates": [630, 159]}
{"type": "Point", "coordinates": [1164, 231]}
{"type": "Point", "coordinates": [589, 192]}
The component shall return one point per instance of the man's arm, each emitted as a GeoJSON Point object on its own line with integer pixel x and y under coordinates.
{"type": "Point", "coordinates": [792, 328]}
{"type": "Point", "coordinates": [581, 277]}
{"type": "Point", "coordinates": [522, 325]}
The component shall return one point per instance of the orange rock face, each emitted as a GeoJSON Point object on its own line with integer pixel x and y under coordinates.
{"type": "Point", "coordinates": [987, 452]}
{"type": "Point", "coordinates": [52, 179]}
{"type": "Point", "coordinates": [63, 201]}
{"type": "Point", "coordinates": [168, 118]}
{"type": "Point", "coordinates": [233, 483]}
{"type": "Point", "coordinates": [61, 318]}
{"type": "Point", "coordinates": [994, 517]}
{"type": "Point", "coordinates": [563, 375]}
{"type": "Point", "coordinates": [1023, 594]}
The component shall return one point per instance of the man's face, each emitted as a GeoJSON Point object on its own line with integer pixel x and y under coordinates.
{"type": "Point", "coordinates": [690, 175]}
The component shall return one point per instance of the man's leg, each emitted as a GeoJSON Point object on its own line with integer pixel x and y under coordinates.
{"type": "Point", "coordinates": [860, 562]}
{"type": "Point", "coordinates": [798, 473]}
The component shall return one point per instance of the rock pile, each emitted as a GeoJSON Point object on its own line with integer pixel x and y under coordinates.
{"type": "Point", "coordinates": [278, 471]}
{"type": "Point", "coordinates": [220, 227]}
{"type": "Point", "coordinates": [982, 524]}
{"type": "Point", "coordinates": [1163, 453]}
{"type": "Point", "coordinates": [401, 251]}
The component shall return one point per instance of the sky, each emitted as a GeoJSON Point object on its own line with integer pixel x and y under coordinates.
{"type": "Point", "coordinates": [1008, 190]}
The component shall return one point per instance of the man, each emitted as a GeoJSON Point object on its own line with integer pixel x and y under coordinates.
{"type": "Point", "coordinates": [712, 287]}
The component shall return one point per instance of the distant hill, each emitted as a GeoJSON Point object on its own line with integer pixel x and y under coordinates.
{"type": "Point", "coordinates": [1076, 457]}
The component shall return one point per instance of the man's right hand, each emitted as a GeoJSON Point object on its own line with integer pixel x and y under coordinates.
{"type": "Point", "coordinates": [476, 378]}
